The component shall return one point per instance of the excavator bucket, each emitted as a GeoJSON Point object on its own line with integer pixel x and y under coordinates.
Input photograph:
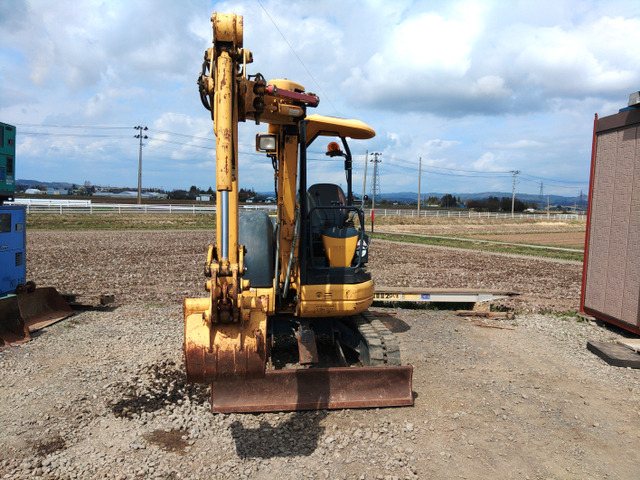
{"type": "Point", "coordinates": [27, 312]}
{"type": "Point", "coordinates": [316, 388]}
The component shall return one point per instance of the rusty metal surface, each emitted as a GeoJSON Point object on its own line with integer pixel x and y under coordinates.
{"type": "Point", "coordinates": [307, 347]}
{"type": "Point", "coordinates": [224, 352]}
{"type": "Point", "coordinates": [316, 388]}
{"type": "Point", "coordinates": [42, 308]}
{"type": "Point", "coordinates": [27, 312]}
{"type": "Point", "coordinates": [12, 329]}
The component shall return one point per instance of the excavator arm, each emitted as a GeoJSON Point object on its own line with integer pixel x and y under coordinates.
{"type": "Point", "coordinates": [225, 334]}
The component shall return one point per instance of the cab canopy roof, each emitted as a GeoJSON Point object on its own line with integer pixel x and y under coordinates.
{"type": "Point", "coordinates": [340, 127]}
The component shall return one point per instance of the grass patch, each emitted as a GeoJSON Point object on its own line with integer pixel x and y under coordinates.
{"type": "Point", "coordinates": [487, 247]}
{"type": "Point", "coordinates": [382, 220]}
{"type": "Point", "coordinates": [527, 232]}
{"type": "Point", "coordinates": [153, 305]}
{"type": "Point", "coordinates": [127, 221]}
{"type": "Point", "coordinates": [564, 316]}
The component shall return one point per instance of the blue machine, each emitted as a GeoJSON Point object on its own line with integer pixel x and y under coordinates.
{"type": "Point", "coordinates": [23, 307]}
{"type": "Point", "coordinates": [7, 161]}
{"type": "Point", "coordinates": [12, 248]}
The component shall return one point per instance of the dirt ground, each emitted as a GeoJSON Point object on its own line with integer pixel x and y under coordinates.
{"type": "Point", "coordinates": [162, 267]}
{"type": "Point", "coordinates": [525, 400]}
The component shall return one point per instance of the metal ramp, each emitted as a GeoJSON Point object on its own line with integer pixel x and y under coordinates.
{"type": "Point", "coordinates": [434, 295]}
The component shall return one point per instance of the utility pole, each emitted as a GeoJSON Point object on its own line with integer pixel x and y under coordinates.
{"type": "Point", "coordinates": [419, 181]}
{"type": "Point", "coordinates": [364, 182]}
{"type": "Point", "coordinates": [376, 182]}
{"type": "Point", "coordinates": [513, 190]}
{"type": "Point", "coordinates": [548, 211]}
{"type": "Point", "coordinates": [140, 136]}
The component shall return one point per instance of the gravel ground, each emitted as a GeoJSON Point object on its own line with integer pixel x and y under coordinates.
{"type": "Point", "coordinates": [101, 395]}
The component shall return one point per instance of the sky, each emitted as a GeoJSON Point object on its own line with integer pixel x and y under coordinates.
{"type": "Point", "coordinates": [472, 90]}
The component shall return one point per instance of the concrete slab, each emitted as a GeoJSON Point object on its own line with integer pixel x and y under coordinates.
{"type": "Point", "coordinates": [615, 354]}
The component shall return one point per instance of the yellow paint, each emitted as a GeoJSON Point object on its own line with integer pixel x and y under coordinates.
{"type": "Point", "coordinates": [335, 300]}
{"type": "Point", "coordinates": [340, 251]}
{"type": "Point", "coordinates": [286, 84]}
{"type": "Point", "coordinates": [332, 126]}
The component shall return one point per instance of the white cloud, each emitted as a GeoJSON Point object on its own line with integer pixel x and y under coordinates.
{"type": "Point", "coordinates": [473, 85]}
{"type": "Point", "coordinates": [451, 64]}
{"type": "Point", "coordinates": [517, 144]}
{"type": "Point", "coordinates": [489, 162]}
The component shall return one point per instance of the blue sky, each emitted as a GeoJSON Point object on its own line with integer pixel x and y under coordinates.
{"type": "Point", "coordinates": [475, 88]}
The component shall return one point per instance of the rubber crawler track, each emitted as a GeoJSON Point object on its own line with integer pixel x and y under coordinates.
{"type": "Point", "coordinates": [383, 345]}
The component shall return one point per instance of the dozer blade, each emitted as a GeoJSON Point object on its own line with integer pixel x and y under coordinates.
{"type": "Point", "coordinates": [316, 388]}
{"type": "Point", "coordinates": [27, 312]}
{"type": "Point", "coordinates": [12, 328]}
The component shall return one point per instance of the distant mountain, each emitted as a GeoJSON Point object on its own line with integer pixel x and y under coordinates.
{"type": "Point", "coordinates": [25, 183]}
{"type": "Point", "coordinates": [412, 197]}
{"type": "Point", "coordinates": [400, 197]}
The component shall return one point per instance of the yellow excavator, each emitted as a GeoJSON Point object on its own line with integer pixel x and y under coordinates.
{"type": "Point", "coordinates": [285, 325]}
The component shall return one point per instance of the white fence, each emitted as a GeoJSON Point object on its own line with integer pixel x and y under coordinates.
{"type": "Point", "coordinates": [463, 213]}
{"type": "Point", "coordinates": [50, 202]}
{"type": "Point", "coordinates": [115, 208]}
{"type": "Point", "coordinates": [86, 207]}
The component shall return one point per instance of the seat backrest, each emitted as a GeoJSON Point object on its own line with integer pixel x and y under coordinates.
{"type": "Point", "coordinates": [326, 195]}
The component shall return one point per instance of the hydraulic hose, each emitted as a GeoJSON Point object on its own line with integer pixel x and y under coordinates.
{"type": "Point", "coordinates": [296, 229]}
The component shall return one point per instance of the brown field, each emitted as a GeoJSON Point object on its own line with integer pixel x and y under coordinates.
{"type": "Point", "coordinates": [553, 233]}
{"type": "Point", "coordinates": [162, 267]}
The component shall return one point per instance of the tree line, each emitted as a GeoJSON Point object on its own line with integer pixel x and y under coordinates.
{"type": "Point", "coordinates": [495, 204]}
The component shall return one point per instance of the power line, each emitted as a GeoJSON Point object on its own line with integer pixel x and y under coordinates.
{"type": "Point", "coordinates": [557, 183]}
{"type": "Point", "coordinates": [91, 135]}
{"type": "Point", "coordinates": [156, 139]}
{"type": "Point", "coordinates": [97, 127]}
{"type": "Point", "coordinates": [449, 174]}
{"type": "Point", "coordinates": [324, 95]}
{"type": "Point", "coordinates": [537, 179]}
{"type": "Point", "coordinates": [407, 165]}
{"type": "Point", "coordinates": [181, 134]}
{"type": "Point", "coordinates": [497, 172]}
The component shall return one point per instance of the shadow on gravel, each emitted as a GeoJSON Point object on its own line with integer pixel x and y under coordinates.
{"type": "Point", "coordinates": [50, 445]}
{"type": "Point", "coordinates": [166, 385]}
{"type": "Point", "coordinates": [393, 323]}
{"type": "Point", "coordinates": [298, 436]}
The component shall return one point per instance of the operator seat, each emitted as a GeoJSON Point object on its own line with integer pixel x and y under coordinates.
{"type": "Point", "coordinates": [325, 195]}
{"type": "Point", "coordinates": [333, 241]}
